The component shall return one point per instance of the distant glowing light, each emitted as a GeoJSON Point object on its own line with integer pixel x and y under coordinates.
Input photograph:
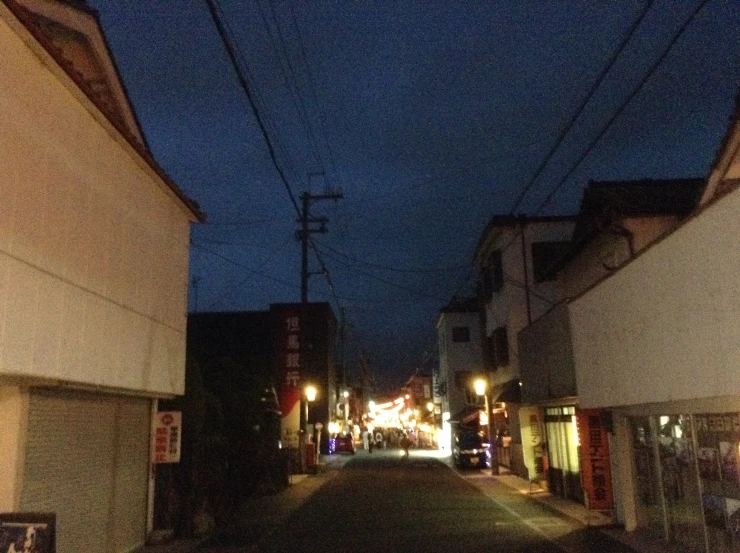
{"type": "Point", "coordinates": [310, 393]}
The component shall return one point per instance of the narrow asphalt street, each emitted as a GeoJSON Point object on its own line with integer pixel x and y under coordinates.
{"type": "Point", "coordinates": [381, 502]}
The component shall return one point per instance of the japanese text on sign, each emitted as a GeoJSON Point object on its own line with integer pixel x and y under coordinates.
{"type": "Point", "coordinates": [167, 437]}
{"type": "Point", "coordinates": [595, 462]}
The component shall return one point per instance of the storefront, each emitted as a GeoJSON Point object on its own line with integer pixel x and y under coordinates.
{"type": "Point", "coordinates": [564, 470]}
{"type": "Point", "coordinates": [87, 460]}
{"type": "Point", "coordinates": [687, 478]}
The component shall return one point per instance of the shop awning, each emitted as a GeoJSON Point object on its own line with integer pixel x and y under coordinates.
{"type": "Point", "coordinates": [510, 391]}
{"type": "Point", "coordinates": [467, 416]}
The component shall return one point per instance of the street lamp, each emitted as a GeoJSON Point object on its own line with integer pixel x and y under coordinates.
{"type": "Point", "coordinates": [345, 395]}
{"type": "Point", "coordinates": [480, 390]}
{"type": "Point", "coordinates": [309, 393]}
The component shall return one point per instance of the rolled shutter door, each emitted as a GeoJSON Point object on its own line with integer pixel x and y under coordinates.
{"type": "Point", "coordinates": [87, 460]}
{"type": "Point", "coordinates": [69, 462]}
{"type": "Point", "coordinates": [131, 475]}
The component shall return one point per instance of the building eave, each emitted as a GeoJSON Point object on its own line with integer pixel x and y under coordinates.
{"type": "Point", "coordinates": [19, 17]}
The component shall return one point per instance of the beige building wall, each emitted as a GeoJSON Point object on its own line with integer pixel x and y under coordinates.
{"type": "Point", "coordinates": [509, 306]}
{"type": "Point", "coordinates": [93, 243]}
{"type": "Point", "coordinates": [14, 418]}
{"type": "Point", "coordinates": [666, 326]}
{"type": "Point", "coordinates": [608, 251]}
{"type": "Point", "coordinates": [454, 357]}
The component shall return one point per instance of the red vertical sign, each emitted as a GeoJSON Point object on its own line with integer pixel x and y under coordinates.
{"type": "Point", "coordinates": [595, 463]}
{"type": "Point", "coordinates": [289, 370]}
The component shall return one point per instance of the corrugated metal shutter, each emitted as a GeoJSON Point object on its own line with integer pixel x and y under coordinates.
{"type": "Point", "coordinates": [84, 455]}
{"type": "Point", "coordinates": [131, 476]}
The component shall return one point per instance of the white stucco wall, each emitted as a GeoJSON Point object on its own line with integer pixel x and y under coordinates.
{"type": "Point", "coordinates": [458, 356]}
{"type": "Point", "coordinates": [667, 326]}
{"type": "Point", "coordinates": [509, 306]}
{"type": "Point", "coordinates": [607, 251]}
{"type": "Point", "coordinates": [93, 247]}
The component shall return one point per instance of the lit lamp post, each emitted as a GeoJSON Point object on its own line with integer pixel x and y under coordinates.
{"type": "Point", "coordinates": [480, 390]}
{"type": "Point", "coordinates": [309, 393]}
{"type": "Point", "coordinates": [347, 429]}
{"type": "Point", "coordinates": [432, 427]}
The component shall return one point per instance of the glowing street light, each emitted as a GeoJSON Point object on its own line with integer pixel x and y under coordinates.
{"type": "Point", "coordinates": [480, 386]}
{"type": "Point", "coordinates": [310, 393]}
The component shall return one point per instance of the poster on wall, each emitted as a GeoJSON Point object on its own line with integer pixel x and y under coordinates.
{"type": "Point", "coordinates": [289, 370]}
{"type": "Point", "coordinates": [718, 456]}
{"type": "Point", "coordinates": [595, 462]}
{"type": "Point", "coordinates": [533, 446]}
{"type": "Point", "coordinates": [27, 533]}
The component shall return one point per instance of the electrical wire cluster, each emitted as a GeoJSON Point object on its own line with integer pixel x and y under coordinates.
{"type": "Point", "coordinates": [324, 164]}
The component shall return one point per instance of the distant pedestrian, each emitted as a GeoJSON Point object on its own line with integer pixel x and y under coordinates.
{"type": "Point", "coordinates": [405, 444]}
{"type": "Point", "coordinates": [370, 440]}
{"type": "Point", "coordinates": [366, 440]}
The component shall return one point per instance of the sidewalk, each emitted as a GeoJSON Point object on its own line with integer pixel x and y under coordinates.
{"type": "Point", "coordinates": [641, 542]}
{"type": "Point", "coordinates": [258, 516]}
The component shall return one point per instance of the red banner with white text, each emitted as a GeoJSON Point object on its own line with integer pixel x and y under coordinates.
{"type": "Point", "coordinates": [289, 334]}
{"type": "Point", "coordinates": [595, 462]}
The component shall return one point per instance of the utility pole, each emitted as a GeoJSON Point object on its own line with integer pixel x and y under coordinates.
{"type": "Point", "coordinates": [311, 225]}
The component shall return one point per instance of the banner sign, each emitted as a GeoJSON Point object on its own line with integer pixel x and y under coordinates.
{"type": "Point", "coordinates": [167, 437]}
{"type": "Point", "coordinates": [595, 463]}
{"type": "Point", "coordinates": [289, 371]}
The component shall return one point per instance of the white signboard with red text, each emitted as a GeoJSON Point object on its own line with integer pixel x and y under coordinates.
{"type": "Point", "coordinates": [167, 437]}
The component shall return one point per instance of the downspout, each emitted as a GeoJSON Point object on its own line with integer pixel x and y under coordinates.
{"type": "Point", "coordinates": [526, 273]}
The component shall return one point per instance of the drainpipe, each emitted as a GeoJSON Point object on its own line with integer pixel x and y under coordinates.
{"type": "Point", "coordinates": [526, 272]}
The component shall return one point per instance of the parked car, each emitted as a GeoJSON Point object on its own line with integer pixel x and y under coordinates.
{"type": "Point", "coordinates": [470, 451]}
{"type": "Point", "coordinates": [342, 443]}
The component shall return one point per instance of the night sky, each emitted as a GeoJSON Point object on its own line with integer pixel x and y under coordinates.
{"type": "Point", "coordinates": [429, 116]}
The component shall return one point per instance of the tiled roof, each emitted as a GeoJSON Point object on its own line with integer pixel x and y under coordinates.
{"type": "Point", "coordinates": [605, 203]}
{"type": "Point", "coordinates": [32, 23]}
{"type": "Point", "coordinates": [637, 198]}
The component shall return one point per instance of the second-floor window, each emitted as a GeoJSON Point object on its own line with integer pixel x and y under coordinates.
{"type": "Point", "coordinates": [492, 276]}
{"type": "Point", "coordinates": [497, 270]}
{"type": "Point", "coordinates": [460, 334]}
{"type": "Point", "coordinates": [544, 256]}
{"type": "Point", "coordinates": [497, 346]}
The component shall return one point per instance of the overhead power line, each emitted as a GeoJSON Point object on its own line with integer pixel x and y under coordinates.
{"type": "Point", "coordinates": [394, 269]}
{"type": "Point", "coordinates": [580, 109]}
{"type": "Point", "coordinates": [312, 88]}
{"type": "Point", "coordinates": [607, 126]}
{"type": "Point", "coordinates": [289, 76]}
{"type": "Point", "coordinates": [364, 301]}
{"type": "Point", "coordinates": [230, 50]}
{"type": "Point", "coordinates": [677, 35]}
{"type": "Point", "coordinates": [385, 281]}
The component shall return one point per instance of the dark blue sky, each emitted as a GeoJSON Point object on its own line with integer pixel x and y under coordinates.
{"type": "Point", "coordinates": [430, 116]}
